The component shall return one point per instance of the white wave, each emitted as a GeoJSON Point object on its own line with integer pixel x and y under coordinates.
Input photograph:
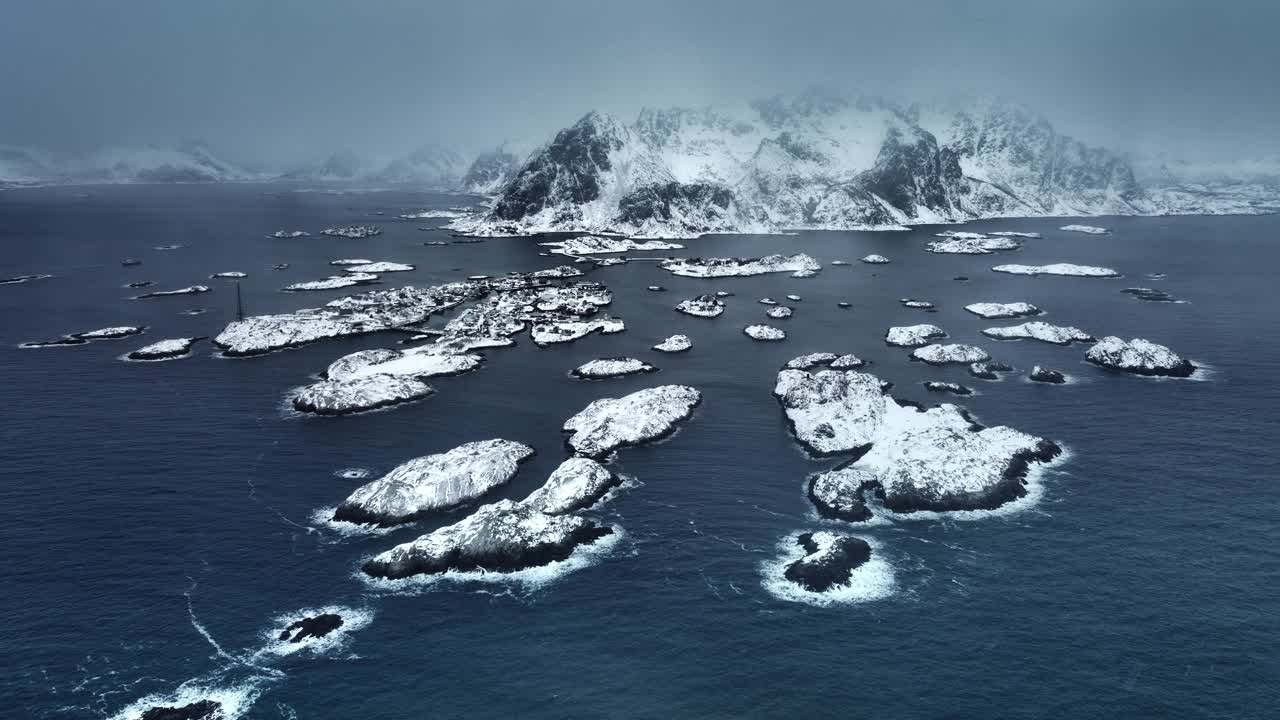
{"type": "Point", "coordinates": [234, 700]}
{"type": "Point", "coordinates": [872, 580]}
{"type": "Point", "coordinates": [529, 579]}
{"type": "Point", "coordinates": [322, 519]}
{"type": "Point", "coordinates": [353, 620]}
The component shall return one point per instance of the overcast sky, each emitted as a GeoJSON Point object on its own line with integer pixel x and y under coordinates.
{"type": "Point", "coordinates": [282, 80]}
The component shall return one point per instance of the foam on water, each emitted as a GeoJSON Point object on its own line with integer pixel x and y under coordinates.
{"type": "Point", "coordinates": [233, 700]}
{"type": "Point", "coordinates": [529, 579]}
{"type": "Point", "coordinates": [353, 620]}
{"type": "Point", "coordinates": [322, 518]}
{"type": "Point", "coordinates": [872, 580]}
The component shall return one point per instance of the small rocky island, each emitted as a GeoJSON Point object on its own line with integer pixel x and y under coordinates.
{"type": "Point", "coordinates": [1140, 357]}
{"type": "Point", "coordinates": [645, 415]}
{"type": "Point", "coordinates": [611, 368]}
{"type": "Point", "coordinates": [830, 559]}
{"type": "Point", "coordinates": [434, 483]}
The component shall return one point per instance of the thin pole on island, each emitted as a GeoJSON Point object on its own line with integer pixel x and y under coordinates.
{"type": "Point", "coordinates": [239, 303]}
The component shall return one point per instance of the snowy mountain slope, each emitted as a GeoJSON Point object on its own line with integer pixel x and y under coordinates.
{"type": "Point", "coordinates": [815, 161]}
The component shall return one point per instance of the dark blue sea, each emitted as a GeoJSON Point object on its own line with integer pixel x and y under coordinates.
{"type": "Point", "coordinates": [159, 514]}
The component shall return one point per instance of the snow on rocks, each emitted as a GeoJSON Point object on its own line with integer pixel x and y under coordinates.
{"type": "Point", "coordinates": [874, 259]}
{"type": "Point", "coordinates": [353, 232]}
{"type": "Point", "coordinates": [332, 397]}
{"type": "Point", "coordinates": [612, 367]}
{"type": "Point", "coordinates": [794, 298]}
{"type": "Point", "coordinates": [831, 411]}
{"type": "Point", "coordinates": [288, 234]}
{"type": "Point", "coordinates": [577, 484]}
{"type": "Point", "coordinates": [334, 282]}
{"type": "Point", "coordinates": [764, 333]}
{"type": "Point", "coordinates": [987, 370]}
{"type": "Point", "coordinates": [610, 423]}
{"type": "Point", "coordinates": [847, 362]}
{"type": "Point", "coordinates": [433, 214]}
{"type": "Point", "coordinates": [805, 362]}
{"type": "Point", "coordinates": [597, 245]}
{"type": "Point", "coordinates": [936, 459]}
{"type": "Point", "coordinates": [502, 537]}
{"type": "Point", "coordinates": [352, 315]}
{"type": "Point", "coordinates": [1138, 356]}
{"type": "Point", "coordinates": [674, 344]}
{"type": "Point", "coordinates": [912, 335]}
{"type": "Point", "coordinates": [954, 353]}
{"type": "Point", "coordinates": [980, 245]}
{"type": "Point", "coordinates": [1010, 233]}
{"type": "Point", "coordinates": [229, 275]}
{"type": "Point", "coordinates": [108, 333]}
{"type": "Point", "coordinates": [829, 560]}
{"type": "Point", "coordinates": [1087, 229]}
{"type": "Point", "coordinates": [1065, 269]}
{"type": "Point", "coordinates": [190, 290]}
{"type": "Point", "coordinates": [740, 267]}
{"type": "Point", "coordinates": [916, 304]}
{"type": "Point", "coordinates": [767, 301]}
{"type": "Point", "coordinates": [563, 331]}
{"type": "Point", "coordinates": [780, 312]}
{"type": "Point", "coordinates": [656, 288]}
{"type": "Point", "coordinates": [379, 267]}
{"type": "Point", "coordinates": [434, 483]}
{"type": "Point", "coordinates": [993, 310]}
{"type": "Point", "coordinates": [1046, 375]}
{"type": "Point", "coordinates": [946, 387]}
{"type": "Point", "coordinates": [707, 306]}
{"type": "Point", "coordinates": [1042, 331]}
{"type": "Point", "coordinates": [839, 263]}
{"type": "Point", "coordinates": [165, 349]}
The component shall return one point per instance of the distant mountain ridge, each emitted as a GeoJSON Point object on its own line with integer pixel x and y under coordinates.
{"type": "Point", "coordinates": [815, 161]}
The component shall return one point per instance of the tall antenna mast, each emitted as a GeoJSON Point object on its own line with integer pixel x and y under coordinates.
{"type": "Point", "coordinates": [239, 303]}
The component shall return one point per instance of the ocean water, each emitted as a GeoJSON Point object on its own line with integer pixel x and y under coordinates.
{"type": "Point", "coordinates": [160, 514]}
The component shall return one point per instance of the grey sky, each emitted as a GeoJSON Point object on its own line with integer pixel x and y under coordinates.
{"type": "Point", "coordinates": [280, 80]}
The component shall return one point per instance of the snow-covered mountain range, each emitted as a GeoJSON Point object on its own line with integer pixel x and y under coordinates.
{"type": "Point", "coordinates": [187, 162]}
{"type": "Point", "coordinates": [818, 161]}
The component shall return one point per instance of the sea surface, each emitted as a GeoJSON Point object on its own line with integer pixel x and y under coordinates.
{"type": "Point", "coordinates": [160, 514]}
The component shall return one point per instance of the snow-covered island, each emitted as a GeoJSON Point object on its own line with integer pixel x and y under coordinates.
{"type": "Point", "coordinates": [577, 484]}
{"type": "Point", "coordinates": [707, 306]}
{"type": "Point", "coordinates": [874, 259]}
{"type": "Point", "coordinates": [611, 367]}
{"type": "Point", "coordinates": [434, 483]}
{"type": "Point", "coordinates": [740, 267]}
{"type": "Point", "coordinates": [1065, 269]}
{"type": "Point", "coordinates": [936, 459]}
{"type": "Point", "coordinates": [379, 267]}
{"type": "Point", "coordinates": [971, 244]}
{"type": "Point", "coordinates": [912, 335]}
{"type": "Point", "coordinates": [779, 312]}
{"type": "Point", "coordinates": [1042, 331]}
{"type": "Point", "coordinates": [190, 290]}
{"type": "Point", "coordinates": [829, 560]}
{"type": "Point", "coordinates": [645, 415]}
{"type": "Point", "coordinates": [674, 344]}
{"type": "Point", "coordinates": [288, 234]}
{"type": "Point", "coordinates": [764, 333]}
{"type": "Point", "coordinates": [502, 537]}
{"type": "Point", "coordinates": [988, 370]}
{"type": "Point", "coordinates": [599, 245]}
{"type": "Point", "coordinates": [1086, 229]}
{"type": "Point", "coordinates": [107, 333]}
{"type": "Point", "coordinates": [165, 349]}
{"type": "Point", "coordinates": [938, 386]}
{"type": "Point", "coordinates": [353, 232]}
{"type": "Point", "coordinates": [1039, 373]}
{"type": "Point", "coordinates": [229, 275]}
{"type": "Point", "coordinates": [333, 282]}
{"type": "Point", "coordinates": [958, 353]}
{"type": "Point", "coordinates": [993, 310]}
{"type": "Point", "coordinates": [1138, 356]}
